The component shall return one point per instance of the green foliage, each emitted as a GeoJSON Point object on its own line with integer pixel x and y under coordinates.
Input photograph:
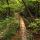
{"type": "Point", "coordinates": [9, 24]}
{"type": "Point", "coordinates": [35, 25]}
{"type": "Point", "coordinates": [16, 5]}
{"type": "Point", "coordinates": [8, 27]}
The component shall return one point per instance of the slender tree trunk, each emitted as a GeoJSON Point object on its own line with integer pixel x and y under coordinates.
{"type": "Point", "coordinates": [22, 29]}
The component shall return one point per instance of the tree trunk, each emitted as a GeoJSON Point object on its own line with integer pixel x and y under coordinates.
{"type": "Point", "coordinates": [22, 29]}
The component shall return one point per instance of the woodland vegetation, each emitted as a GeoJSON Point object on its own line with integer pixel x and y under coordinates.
{"type": "Point", "coordinates": [19, 19]}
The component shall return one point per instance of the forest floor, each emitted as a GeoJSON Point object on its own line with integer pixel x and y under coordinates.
{"type": "Point", "coordinates": [16, 37]}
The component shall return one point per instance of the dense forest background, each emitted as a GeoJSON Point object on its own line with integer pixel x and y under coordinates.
{"type": "Point", "coordinates": [11, 10]}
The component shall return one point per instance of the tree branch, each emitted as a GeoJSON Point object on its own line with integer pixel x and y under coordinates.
{"type": "Point", "coordinates": [27, 9]}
